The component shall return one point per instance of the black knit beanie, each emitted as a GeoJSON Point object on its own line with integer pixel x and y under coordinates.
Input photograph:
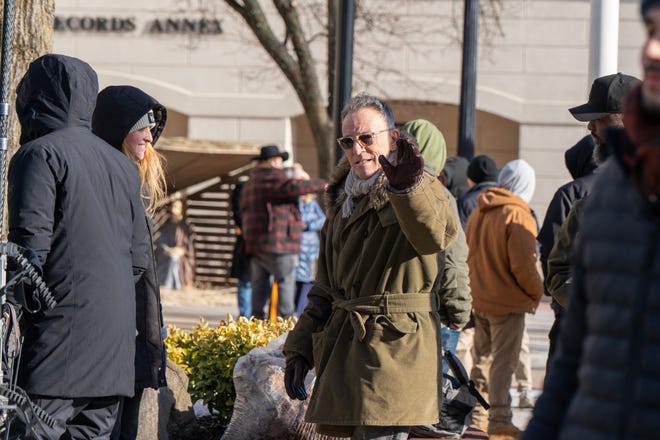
{"type": "Point", "coordinates": [482, 169]}
{"type": "Point", "coordinates": [648, 4]}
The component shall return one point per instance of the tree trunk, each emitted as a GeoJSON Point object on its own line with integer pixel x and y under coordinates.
{"type": "Point", "coordinates": [298, 66]}
{"type": "Point", "coordinates": [32, 36]}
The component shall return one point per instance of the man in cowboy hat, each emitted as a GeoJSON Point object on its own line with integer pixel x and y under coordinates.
{"type": "Point", "coordinates": [272, 229]}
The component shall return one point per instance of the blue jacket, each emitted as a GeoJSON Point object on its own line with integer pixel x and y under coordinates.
{"type": "Point", "coordinates": [313, 218]}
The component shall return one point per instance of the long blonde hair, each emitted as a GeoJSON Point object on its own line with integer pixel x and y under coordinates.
{"type": "Point", "coordinates": [152, 176]}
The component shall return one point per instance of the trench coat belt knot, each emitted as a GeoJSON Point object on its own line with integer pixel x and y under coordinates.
{"type": "Point", "coordinates": [362, 308]}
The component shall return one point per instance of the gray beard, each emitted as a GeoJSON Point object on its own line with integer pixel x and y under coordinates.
{"type": "Point", "coordinates": [601, 153]}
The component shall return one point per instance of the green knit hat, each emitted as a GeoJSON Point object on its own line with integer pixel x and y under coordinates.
{"type": "Point", "coordinates": [431, 143]}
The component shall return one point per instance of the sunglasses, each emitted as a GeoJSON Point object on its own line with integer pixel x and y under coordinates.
{"type": "Point", "coordinates": [365, 139]}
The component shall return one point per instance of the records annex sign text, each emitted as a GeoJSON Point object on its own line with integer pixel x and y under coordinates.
{"type": "Point", "coordinates": [119, 25]}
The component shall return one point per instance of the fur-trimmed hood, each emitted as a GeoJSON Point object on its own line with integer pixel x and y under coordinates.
{"type": "Point", "coordinates": [335, 194]}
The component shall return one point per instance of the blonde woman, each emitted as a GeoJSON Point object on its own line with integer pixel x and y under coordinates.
{"type": "Point", "coordinates": [131, 121]}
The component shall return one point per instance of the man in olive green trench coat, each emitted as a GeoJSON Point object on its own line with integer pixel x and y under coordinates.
{"type": "Point", "coordinates": [371, 328]}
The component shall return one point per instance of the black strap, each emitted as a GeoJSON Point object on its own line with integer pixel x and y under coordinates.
{"type": "Point", "coordinates": [458, 370]}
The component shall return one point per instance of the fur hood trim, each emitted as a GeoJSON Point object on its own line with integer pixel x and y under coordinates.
{"type": "Point", "coordinates": [335, 194]}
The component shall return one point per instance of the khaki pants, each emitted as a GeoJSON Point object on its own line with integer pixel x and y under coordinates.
{"type": "Point", "coordinates": [523, 372]}
{"type": "Point", "coordinates": [496, 352]}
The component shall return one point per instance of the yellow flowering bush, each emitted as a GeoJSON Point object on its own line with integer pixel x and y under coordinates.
{"type": "Point", "coordinates": [208, 355]}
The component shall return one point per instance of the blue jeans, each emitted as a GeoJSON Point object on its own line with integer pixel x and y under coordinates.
{"type": "Point", "coordinates": [449, 343]}
{"type": "Point", "coordinates": [173, 279]}
{"type": "Point", "coordinates": [283, 270]}
{"type": "Point", "coordinates": [244, 290]}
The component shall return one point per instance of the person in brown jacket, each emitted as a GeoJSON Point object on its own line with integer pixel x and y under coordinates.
{"type": "Point", "coordinates": [506, 284]}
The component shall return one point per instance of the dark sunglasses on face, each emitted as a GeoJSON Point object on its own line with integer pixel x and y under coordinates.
{"type": "Point", "coordinates": [365, 139]}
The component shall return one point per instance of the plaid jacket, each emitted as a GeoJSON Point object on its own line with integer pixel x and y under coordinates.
{"type": "Point", "coordinates": [271, 218]}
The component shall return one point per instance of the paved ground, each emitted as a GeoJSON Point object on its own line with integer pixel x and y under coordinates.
{"type": "Point", "coordinates": [184, 310]}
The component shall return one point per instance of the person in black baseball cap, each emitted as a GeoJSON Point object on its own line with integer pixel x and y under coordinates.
{"type": "Point", "coordinates": [605, 105]}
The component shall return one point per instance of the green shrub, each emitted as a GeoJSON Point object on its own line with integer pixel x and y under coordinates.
{"type": "Point", "coordinates": [208, 356]}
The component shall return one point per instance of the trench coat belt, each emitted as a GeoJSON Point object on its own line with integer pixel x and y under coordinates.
{"type": "Point", "coordinates": [359, 309]}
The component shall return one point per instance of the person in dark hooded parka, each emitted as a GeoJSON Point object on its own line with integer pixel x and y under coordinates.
{"type": "Point", "coordinates": [131, 121]}
{"type": "Point", "coordinates": [75, 202]}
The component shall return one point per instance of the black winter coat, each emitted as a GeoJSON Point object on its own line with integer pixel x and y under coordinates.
{"type": "Point", "coordinates": [579, 162]}
{"type": "Point", "coordinates": [604, 378]}
{"type": "Point", "coordinates": [117, 109]}
{"type": "Point", "coordinates": [75, 202]}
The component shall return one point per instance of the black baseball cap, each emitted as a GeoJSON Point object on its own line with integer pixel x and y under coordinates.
{"type": "Point", "coordinates": [606, 96]}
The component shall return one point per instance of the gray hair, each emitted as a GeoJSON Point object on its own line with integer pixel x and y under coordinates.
{"type": "Point", "coordinates": [365, 100]}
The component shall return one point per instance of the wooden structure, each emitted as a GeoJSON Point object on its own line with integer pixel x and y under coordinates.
{"type": "Point", "coordinates": [202, 174]}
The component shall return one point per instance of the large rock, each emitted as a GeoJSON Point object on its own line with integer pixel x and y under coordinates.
{"type": "Point", "coordinates": [168, 412]}
{"type": "Point", "coordinates": [262, 409]}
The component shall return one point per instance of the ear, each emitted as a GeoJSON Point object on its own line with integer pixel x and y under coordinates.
{"type": "Point", "coordinates": [394, 136]}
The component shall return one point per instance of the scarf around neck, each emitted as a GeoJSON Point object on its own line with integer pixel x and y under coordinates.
{"type": "Point", "coordinates": [354, 187]}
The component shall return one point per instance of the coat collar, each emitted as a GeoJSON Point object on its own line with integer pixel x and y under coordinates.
{"type": "Point", "coordinates": [335, 194]}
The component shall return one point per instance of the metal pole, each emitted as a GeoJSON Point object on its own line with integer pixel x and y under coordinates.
{"type": "Point", "coordinates": [466, 117]}
{"type": "Point", "coordinates": [343, 65]}
{"type": "Point", "coordinates": [5, 66]}
{"type": "Point", "coordinates": [603, 39]}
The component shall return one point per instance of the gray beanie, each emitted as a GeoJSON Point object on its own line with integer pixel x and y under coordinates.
{"type": "Point", "coordinates": [648, 4]}
{"type": "Point", "coordinates": [147, 120]}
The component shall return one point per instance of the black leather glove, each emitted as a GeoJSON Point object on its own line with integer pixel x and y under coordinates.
{"type": "Point", "coordinates": [294, 377]}
{"type": "Point", "coordinates": [409, 166]}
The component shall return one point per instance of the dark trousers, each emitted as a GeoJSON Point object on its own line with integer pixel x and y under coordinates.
{"type": "Point", "coordinates": [82, 418]}
{"type": "Point", "coordinates": [553, 334]}
{"type": "Point", "coordinates": [128, 420]}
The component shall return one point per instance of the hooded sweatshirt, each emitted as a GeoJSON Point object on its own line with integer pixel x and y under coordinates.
{"type": "Point", "coordinates": [580, 163]}
{"type": "Point", "coordinates": [502, 248]}
{"type": "Point", "coordinates": [453, 282]}
{"type": "Point", "coordinates": [456, 172]}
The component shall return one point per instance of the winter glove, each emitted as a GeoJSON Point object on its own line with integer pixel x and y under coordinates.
{"type": "Point", "coordinates": [409, 167]}
{"type": "Point", "coordinates": [294, 377]}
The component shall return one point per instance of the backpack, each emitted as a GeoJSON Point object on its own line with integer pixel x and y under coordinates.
{"type": "Point", "coordinates": [459, 398]}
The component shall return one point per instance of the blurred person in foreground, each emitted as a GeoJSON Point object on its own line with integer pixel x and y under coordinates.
{"type": "Point", "coordinates": [506, 284]}
{"type": "Point", "coordinates": [602, 382]}
{"type": "Point", "coordinates": [75, 201]}
{"type": "Point", "coordinates": [371, 328]}
{"type": "Point", "coordinates": [132, 121]}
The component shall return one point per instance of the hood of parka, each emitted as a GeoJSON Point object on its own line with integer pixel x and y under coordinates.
{"type": "Point", "coordinates": [57, 91]}
{"type": "Point", "coordinates": [495, 197]}
{"type": "Point", "coordinates": [118, 108]}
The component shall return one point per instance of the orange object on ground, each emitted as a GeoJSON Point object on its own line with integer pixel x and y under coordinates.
{"type": "Point", "coordinates": [273, 302]}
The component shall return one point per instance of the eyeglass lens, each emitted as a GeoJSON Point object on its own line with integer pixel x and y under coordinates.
{"type": "Point", "coordinates": [364, 139]}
